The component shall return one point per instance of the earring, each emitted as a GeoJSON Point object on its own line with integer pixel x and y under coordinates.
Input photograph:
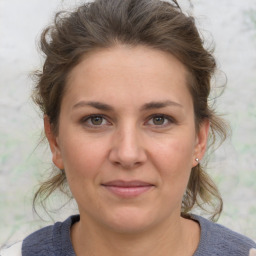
{"type": "Point", "coordinates": [197, 160]}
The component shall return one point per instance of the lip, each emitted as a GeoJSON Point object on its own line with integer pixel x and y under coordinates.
{"type": "Point", "coordinates": [127, 189]}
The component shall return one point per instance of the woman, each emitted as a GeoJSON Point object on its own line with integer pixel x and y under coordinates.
{"type": "Point", "coordinates": [124, 92]}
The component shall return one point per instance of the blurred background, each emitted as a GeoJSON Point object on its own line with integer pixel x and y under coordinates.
{"type": "Point", "coordinates": [232, 27]}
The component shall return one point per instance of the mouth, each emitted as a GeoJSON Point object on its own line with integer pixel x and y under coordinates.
{"type": "Point", "coordinates": [127, 189]}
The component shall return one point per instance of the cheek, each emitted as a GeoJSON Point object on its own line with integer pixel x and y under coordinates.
{"type": "Point", "coordinates": [83, 165]}
{"type": "Point", "coordinates": [82, 157]}
{"type": "Point", "coordinates": [173, 159]}
{"type": "Point", "coordinates": [175, 151]}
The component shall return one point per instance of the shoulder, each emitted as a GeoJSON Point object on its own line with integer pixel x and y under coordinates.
{"type": "Point", "coordinates": [51, 240]}
{"type": "Point", "coordinates": [40, 240]}
{"type": "Point", "coordinates": [219, 240]}
{"type": "Point", "coordinates": [14, 250]}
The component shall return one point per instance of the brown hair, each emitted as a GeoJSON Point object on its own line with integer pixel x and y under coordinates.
{"type": "Point", "coordinates": [153, 23]}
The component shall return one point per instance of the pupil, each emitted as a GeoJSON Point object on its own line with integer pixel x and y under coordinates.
{"type": "Point", "coordinates": [96, 120]}
{"type": "Point", "coordinates": [158, 120]}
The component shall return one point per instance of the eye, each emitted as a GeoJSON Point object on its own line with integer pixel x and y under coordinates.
{"type": "Point", "coordinates": [160, 120]}
{"type": "Point", "coordinates": [95, 120]}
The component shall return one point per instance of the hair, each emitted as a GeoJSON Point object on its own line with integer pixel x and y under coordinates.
{"type": "Point", "coordinates": [153, 23]}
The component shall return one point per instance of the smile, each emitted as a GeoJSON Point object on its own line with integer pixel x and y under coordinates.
{"type": "Point", "coordinates": [127, 189]}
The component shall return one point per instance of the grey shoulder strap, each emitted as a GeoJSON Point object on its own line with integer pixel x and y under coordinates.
{"type": "Point", "coordinates": [14, 250]}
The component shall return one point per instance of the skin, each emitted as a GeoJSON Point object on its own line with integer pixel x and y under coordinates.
{"type": "Point", "coordinates": [133, 139]}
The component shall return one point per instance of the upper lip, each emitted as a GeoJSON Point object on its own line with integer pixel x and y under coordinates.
{"type": "Point", "coordinates": [131, 183]}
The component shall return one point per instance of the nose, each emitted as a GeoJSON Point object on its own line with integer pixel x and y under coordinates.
{"type": "Point", "coordinates": [127, 149]}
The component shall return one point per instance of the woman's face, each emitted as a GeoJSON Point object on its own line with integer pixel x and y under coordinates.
{"type": "Point", "coordinates": [127, 137]}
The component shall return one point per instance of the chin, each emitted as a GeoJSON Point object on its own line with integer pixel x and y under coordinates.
{"type": "Point", "coordinates": [131, 221]}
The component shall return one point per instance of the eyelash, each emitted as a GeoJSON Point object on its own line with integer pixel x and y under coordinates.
{"type": "Point", "coordinates": [169, 119]}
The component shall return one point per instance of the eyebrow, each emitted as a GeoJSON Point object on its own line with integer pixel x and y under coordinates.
{"type": "Point", "coordinates": [147, 106]}
{"type": "Point", "coordinates": [95, 104]}
{"type": "Point", "coordinates": [160, 104]}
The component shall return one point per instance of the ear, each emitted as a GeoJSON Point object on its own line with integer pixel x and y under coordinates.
{"type": "Point", "coordinates": [53, 143]}
{"type": "Point", "coordinates": [201, 141]}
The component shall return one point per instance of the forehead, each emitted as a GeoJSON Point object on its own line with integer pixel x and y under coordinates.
{"type": "Point", "coordinates": [140, 72]}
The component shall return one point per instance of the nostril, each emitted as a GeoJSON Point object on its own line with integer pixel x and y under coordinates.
{"type": "Point", "coordinates": [126, 165]}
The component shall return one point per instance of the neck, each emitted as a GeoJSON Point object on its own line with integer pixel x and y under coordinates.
{"type": "Point", "coordinates": [178, 237]}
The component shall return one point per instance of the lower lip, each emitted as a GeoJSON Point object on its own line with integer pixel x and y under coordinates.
{"type": "Point", "coordinates": [128, 192]}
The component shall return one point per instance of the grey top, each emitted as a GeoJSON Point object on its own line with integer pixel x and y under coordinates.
{"type": "Point", "coordinates": [215, 240]}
